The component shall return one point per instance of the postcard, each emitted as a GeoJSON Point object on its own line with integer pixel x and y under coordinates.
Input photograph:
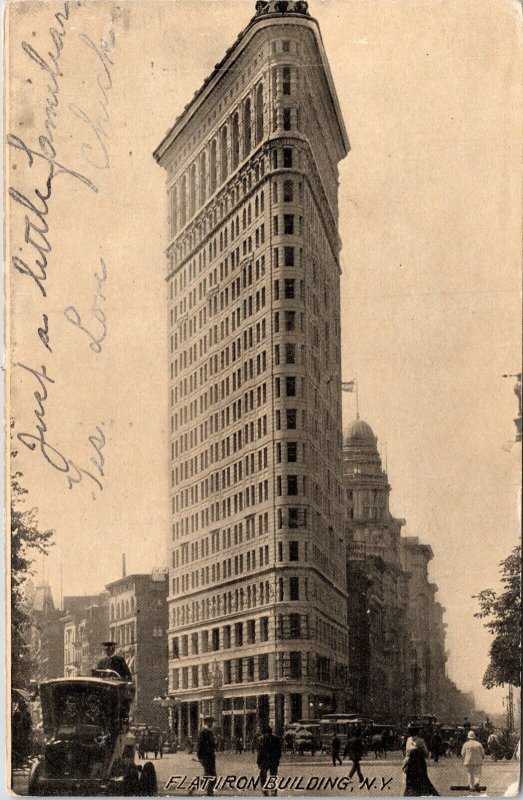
{"type": "Point", "coordinates": [263, 381]}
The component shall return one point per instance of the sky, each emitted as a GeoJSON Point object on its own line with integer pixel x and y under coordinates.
{"type": "Point", "coordinates": [430, 213]}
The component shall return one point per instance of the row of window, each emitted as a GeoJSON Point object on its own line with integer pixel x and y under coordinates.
{"type": "Point", "coordinates": [220, 156]}
{"type": "Point", "coordinates": [251, 596]}
{"type": "Point", "coordinates": [248, 632]}
{"type": "Point", "coordinates": [280, 158]}
{"type": "Point", "coordinates": [239, 670]}
{"type": "Point", "coordinates": [224, 570]}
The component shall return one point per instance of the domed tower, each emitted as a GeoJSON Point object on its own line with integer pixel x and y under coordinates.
{"type": "Point", "coordinates": [376, 581]}
{"type": "Point", "coordinates": [367, 486]}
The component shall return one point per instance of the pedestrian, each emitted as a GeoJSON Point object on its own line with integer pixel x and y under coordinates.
{"type": "Point", "coordinates": [206, 753]}
{"type": "Point", "coordinates": [239, 745]}
{"type": "Point", "coordinates": [473, 754]}
{"type": "Point", "coordinates": [269, 755]}
{"type": "Point", "coordinates": [417, 782]}
{"type": "Point", "coordinates": [335, 749]}
{"type": "Point", "coordinates": [354, 750]}
{"type": "Point", "coordinates": [435, 745]}
{"type": "Point", "coordinates": [414, 740]}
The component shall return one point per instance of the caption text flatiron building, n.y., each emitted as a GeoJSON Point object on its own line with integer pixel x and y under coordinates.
{"type": "Point", "coordinates": [257, 585]}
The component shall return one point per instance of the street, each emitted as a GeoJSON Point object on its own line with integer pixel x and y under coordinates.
{"type": "Point", "coordinates": [315, 776]}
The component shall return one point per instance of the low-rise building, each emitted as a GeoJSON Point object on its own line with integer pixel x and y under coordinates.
{"type": "Point", "coordinates": [85, 622]}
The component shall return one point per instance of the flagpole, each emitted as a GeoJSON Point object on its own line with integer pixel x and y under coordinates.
{"type": "Point", "coordinates": [357, 398]}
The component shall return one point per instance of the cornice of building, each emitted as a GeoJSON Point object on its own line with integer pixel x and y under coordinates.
{"type": "Point", "coordinates": [257, 23]}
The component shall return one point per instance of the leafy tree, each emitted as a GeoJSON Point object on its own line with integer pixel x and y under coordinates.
{"type": "Point", "coordinates": [27, 541]}
{"type": "Point", "coordinates": [503, 612]}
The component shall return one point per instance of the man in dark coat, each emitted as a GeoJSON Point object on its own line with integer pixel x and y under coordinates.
{"type": "Point", "coordinates": [354, 750]}
{"type": "Point", "coordinates": [206, 753]}
{"type": "Point", "coordinates": [269, 755]}
{"type": "Point", "coordinates": [114, 662]}
{"type": "Point", "coordinates": [435, 744]}
{"type": "Point", "coordinates": [335, 748]}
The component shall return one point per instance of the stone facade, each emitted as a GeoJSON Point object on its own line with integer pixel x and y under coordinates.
{"type": "Point", "coordinates": [257, 548]}
{"type": "Point", "coordinates": [85, 624]}
{"type": "Point", "coordinates": [377, 583]}
{"type": "Point", "coordinates": [138, 623]}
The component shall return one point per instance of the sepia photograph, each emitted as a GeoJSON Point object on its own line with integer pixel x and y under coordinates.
{"type": "Point", "coordinates": [263, 397]}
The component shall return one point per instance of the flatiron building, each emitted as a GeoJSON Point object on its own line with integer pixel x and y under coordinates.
{"type": "Point", "coordinates": [257, 582]}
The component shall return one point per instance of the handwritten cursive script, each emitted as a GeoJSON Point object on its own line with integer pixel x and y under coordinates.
{"type": "Point", "coordinates": [72, 315]}
{"type": "Point", "coordinates": [73, 473]}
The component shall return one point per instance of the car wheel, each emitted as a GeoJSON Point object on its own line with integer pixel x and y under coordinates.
{"type": "Point", "coordinates": [148, 785]}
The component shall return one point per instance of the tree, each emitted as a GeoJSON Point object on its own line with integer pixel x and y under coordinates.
{"type": "Point", "coordinates": [503, 612]}
{"type": "Point", "coordinates": [27, 541]}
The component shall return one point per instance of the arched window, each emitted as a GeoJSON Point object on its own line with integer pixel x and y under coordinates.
{"type": "Point", "coordinates": [212, 167]}
{"type": "Point", "coordinates": [192, 190]}
{"type": "Point", "coordinates": [235, 141]}
{"type": "Point", "coordinates": [183, 200]}
{"type": "Point", "coordinates": [174, 210]}
{"type": "Point", "coordinates": [259, 113]}
{"type": "Point", "coordinates": [223, 153]}
{"type": "Point", "coordinates": [203, 178]}
{"type": "Point", "coordinates": [247, 128]}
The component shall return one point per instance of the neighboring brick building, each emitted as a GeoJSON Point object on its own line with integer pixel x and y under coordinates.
{"type": "Point", "coordinates": [85, 622]}
{"type": "Point", "coordinates": [138, 622]}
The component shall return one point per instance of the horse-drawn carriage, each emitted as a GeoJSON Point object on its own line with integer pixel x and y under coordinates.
{"type": "Point", "coordinates": [88, 748]}
{"type": "Point", "coordinates": [149, 739]}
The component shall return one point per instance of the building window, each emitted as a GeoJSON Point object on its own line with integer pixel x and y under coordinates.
{"type": "Point", "coordinates": [290, 353]}
{"type": "Point", "coordinates": [292, 452]}
{"type": "Point", "coordinates": [239, 670]}
{"type": "Point", "coordinates": [223, 153]}
{"type": "Point", "coordinates": [215, 633]}
{"type": "Point", "coordinates": [286, 46]}
{"type": "Point", "coordinates": [212, 167]}
{"type": "Point", "coordinates": [289, 288]}
{"type": "Point", "coordinates": [250, 669]}
{"type": "Point", "coordinates": [246, 128]}
{"type": "Point", "coordinates": [289, 253]}
{"type": "Point", "coordinates": [292, 484]}
{"type": "Point", "coordinates": [294, 588]}
{"type": "Point", "coordinates": [287, 156]}
{"type": "Point", "coordinates": [291, 418]}
{"type": "Point", "coordinates": [294, 552]}
{"type": "Point", "coordinates": [286, 85]}
{"type": "Point", "coordinates": [288, 191]}
{"type": "Point", "coordinates": [295, 665]}
{"type": "Point", "coordinates": [227, 672]}
{"type": "Point", "coordinates": [251, 631]}
{"type": "Point", "coordinates": [286, 119]}
{"type": "Point", "coordinates": [263, 667]}
{"type": "Point", "coordinates": [227, 637]}
{"type": "Point", "coordinates": [259, 113]}
{"type": "Point", "coordinates": [235, 141]}
{"type": "Point", "coordinates": [290, 386]}
{"type": "Point", "coordinates": [264, 629]}
{"type": "Point", "coordinates": [288, 226]}
{"type": "Point", "coordinates": [194, 676]}
{"type": "Point", "coordinates": [238, 634]}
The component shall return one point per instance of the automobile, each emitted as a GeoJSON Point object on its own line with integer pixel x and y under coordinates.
{"type": "Point", "coordinates": [88, 748]}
